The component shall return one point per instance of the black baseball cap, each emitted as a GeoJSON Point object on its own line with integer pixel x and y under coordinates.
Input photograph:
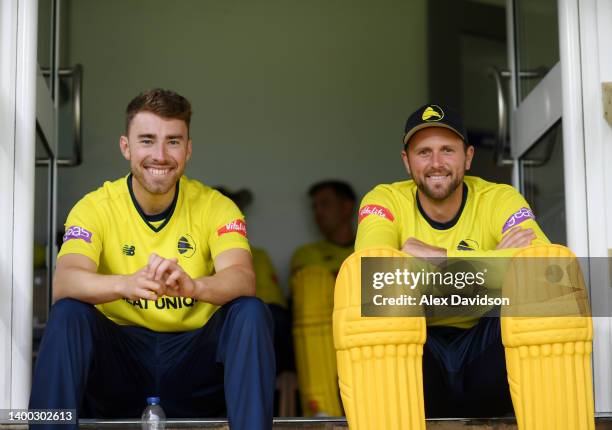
{"type": "Point", "coordinates": [433, 115]}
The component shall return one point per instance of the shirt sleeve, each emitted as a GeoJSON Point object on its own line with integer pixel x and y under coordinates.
{"type": "Point", "coordinates": [84, 231]}
{"type": "Point", "coordinates": [268, 288]}
{"type": "Point", "coordinates": [378, 222]}
{"type": "Point", "coordinates": [507, 210]}
{"type": "Point", "coordinates": [515, 211]}
{"type": "Point", "coordinates": [228, 228]}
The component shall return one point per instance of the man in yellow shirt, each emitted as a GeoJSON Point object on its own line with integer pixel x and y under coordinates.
{"type": "Point", "coordinates": [268, 290]}
{"type": "Point", "coordinates": [443, 213]}
{"type": "Point", "coordinates": [313, 269]}
{"type": "Point", "coordinates": [333, 205]}
{"type": "Point", "coordinates": [153, 291]}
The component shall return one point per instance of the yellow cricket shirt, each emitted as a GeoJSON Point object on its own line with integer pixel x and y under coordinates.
{"type": "Point", "coordinates": [268, 289]}
{"type": "Point", "coordinates": [322, 253]}
{"type": "Point", "coordinates": [108, 226]}
{"type": "Point", "coordinates": [390, 214]}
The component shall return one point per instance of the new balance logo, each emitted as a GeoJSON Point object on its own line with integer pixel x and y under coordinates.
{"type": "Point", "coordinates": [129, 250]}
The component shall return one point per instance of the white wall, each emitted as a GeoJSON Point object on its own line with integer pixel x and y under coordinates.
{"type": "Point", "coordinates": [285, 92]}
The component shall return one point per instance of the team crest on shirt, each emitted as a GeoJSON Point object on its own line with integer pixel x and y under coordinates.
{"type": "Point", "coordinates": [467, 245]}
{"type": "Point", "coordinates": [186, 246]}
{"type": "Point", "coordinates": [236, 226]}
{"type": "Point", "coordinates": [377, 210]}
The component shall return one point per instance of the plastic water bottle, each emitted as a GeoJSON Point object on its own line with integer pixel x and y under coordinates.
{"type": "Point", "coordinates": [153, 417]}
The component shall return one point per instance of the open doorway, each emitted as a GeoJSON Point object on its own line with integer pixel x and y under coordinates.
{"type": "Point", "coordinates": [466, 46]}
{"type": "Point", "coordinates": [284, 94]}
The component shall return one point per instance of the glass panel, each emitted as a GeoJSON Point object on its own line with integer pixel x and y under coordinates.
{"type": "Point", "coordinates": [536, 30]}
{"type": "Point", "coordinates": [65, 119]}
{"type": "Point", "coordinates": [479, 102]}
{"type": "Point", "coordinates": [543, 187]}
{"type": "Point", "coordinates": [45, 37]}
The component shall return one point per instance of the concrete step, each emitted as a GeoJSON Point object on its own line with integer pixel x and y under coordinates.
{"type": "Point", "coordinates": [602, 423]}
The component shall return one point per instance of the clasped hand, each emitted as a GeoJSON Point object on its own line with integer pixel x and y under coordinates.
{"type": "Point", "coordinates": [161, 276]}
{"type": "Point", "coordinates": [418, 248]}
{"type": "Point", "coordinates": [516, 237]}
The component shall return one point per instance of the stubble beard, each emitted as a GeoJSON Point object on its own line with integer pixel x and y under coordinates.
{"type": "Point", "coordinates": [442, 193]}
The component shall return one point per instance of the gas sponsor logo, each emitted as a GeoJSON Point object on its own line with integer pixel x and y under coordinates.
{"type": "Point", "coordinates": [236, 226]}
{"type": "Point", "coordinates": [380, 211]}
{"type": "Point", "coordinates": [518, 217]}
{"type": "Point", "coordinates": [76, 232]}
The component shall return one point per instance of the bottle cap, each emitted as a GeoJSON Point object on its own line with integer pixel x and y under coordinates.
{"type": "Point", "coordinates": [153, 400]}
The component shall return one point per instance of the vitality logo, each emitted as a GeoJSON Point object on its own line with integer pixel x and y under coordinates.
{"type": "Point", "coordinates": [129, 250]}
{"type": "Point", "coordinates": [236, 226]}
{"type": "Point", "coordinates": [380, 211]}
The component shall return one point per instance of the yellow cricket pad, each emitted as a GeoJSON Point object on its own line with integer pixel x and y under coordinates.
{"type": "Point", "coordinates": [548, 358]}
{"type": "Point", "coordinates": [379, 359]}
{"type": "Point", "coordinates": [313, 302]}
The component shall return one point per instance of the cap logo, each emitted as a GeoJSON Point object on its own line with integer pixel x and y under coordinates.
{"type": "Point", "coordinates": [432, 113]}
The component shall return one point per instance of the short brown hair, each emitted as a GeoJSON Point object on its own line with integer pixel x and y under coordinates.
{"type": "Point", "coordinates": [164, 103]}
{"type": "Point", "coordinates": [341, 188]}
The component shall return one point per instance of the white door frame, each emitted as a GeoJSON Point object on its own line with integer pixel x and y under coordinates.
{"type": "Point", "coordinates": [572, 91]}
{"type": "Point", "coordinates": [592, 68]}
{"type": "Point", "coordinates": [18, 39]}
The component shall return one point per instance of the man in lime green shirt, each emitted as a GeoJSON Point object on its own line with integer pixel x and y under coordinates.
{"type": "Point", "coordinates": [442, 213]}
{"type": "Point", "coordinates": [333, 205]}
{"type": "Point", "coordinates": [153, 291]}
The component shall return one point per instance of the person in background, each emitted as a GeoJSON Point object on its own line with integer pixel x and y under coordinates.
{"type": "Point", "coordinates": [333, 206]}
{"type": "Point", "coordinates": [268, 289]}
{"type": "Point", "coordinates": [314, 268]}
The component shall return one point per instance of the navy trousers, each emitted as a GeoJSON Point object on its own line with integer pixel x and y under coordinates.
{"type": "Point", "coordinates": [464, 372]}
{"type": "Point", "coordinates": [87, 362]}
{"type": "Point", "coordinates": [283, 339]}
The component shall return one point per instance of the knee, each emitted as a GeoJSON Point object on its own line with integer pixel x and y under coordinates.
{"type": "Point", "coordinates": [67, 312]}
{"type": "Point", "coordinates": [252, 310]}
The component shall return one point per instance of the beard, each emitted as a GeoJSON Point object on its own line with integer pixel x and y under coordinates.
{"type": "Point", "coordinates": [439, 192]}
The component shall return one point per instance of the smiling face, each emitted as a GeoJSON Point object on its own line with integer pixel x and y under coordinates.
{"type": "Point", "coordinates": [158, 149]}
{"type": "Point", "coordinates": [437, 160]}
